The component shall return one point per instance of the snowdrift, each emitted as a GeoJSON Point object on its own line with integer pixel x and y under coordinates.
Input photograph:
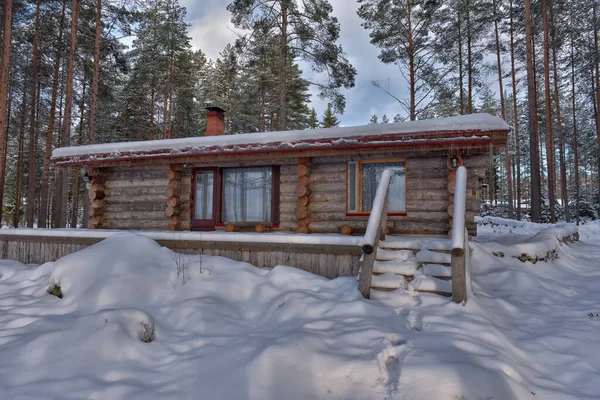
{"type": "Point", "coordinates": [138, 321]}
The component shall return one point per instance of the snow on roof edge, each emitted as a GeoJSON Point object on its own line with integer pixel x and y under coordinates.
{"type": "Point", "coordinates": [472, 122]}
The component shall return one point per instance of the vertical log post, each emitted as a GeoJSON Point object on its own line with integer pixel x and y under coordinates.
{"type": "Point", "coordinates": [303, 193]}
{"type": "Point", "coordinates": [173, 210]}
{"type": "Point", "coordinates": [96, 195]}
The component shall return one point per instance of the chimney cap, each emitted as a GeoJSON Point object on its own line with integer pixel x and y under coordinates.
{"type": "Point", "coordinates": [215, 108]}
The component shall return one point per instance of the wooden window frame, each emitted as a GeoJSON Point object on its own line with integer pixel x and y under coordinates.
{"type": "Point", "coordinates": [359, 165]}
{"type": "Point", "coordinates": [218, 194]}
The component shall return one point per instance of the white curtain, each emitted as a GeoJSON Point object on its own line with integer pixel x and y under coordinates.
{"type": "Point", "coordinates": [371, 174]}
{"type": "Point", "coordinates": [203, 208]}
{"type": "Point", "coordinates": [247, 194]}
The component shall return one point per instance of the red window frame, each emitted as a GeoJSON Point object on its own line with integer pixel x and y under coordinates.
{"type": "Point", "coordinates": [198, 225]}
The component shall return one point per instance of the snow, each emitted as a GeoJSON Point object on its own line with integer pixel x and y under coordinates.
{"type": "Point", "coordinates": [214, 236]}
{"type": "Point", "coordinates": [220, 329]}
{"type": "Point", "coordinates": [460, 198]}
{"type": "Point", "coordinates": [467, 124]}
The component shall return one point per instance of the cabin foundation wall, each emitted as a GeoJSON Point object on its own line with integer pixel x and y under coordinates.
{"type": "Point", "coordinates": [329, 262]}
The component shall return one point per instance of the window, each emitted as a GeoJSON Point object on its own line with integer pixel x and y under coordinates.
{"type": "Point", "coordinates": [234, 195]}
{"type": "Point", "coordinates": [363, 180]}
{"type": "Point", "coordinates": [247, 194]}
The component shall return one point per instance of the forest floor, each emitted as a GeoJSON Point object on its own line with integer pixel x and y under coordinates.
{"type": "Point", "coordinates": [137, 321]}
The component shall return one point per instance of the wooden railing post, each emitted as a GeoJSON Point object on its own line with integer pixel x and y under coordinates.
{"type": "Point", "coordinates": [376, 228]}
{"type": "Point", "coordinates": [459, 276]}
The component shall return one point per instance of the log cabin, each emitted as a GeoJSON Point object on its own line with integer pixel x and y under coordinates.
{"type": "Point", "coordinates": [312, 181]}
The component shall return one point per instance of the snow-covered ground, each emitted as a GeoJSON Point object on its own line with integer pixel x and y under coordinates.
{"type": "Point", "coordinates": [138, 321]}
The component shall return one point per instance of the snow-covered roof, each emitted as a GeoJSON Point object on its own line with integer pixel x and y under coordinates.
{"type": "Point", "coordinates": [464, 126]}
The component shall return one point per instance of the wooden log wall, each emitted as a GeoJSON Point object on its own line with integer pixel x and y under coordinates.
{"type": "Point", "coordinates": [97, 194]}
{"type": "Point", "coordinates": [426, 196]}
{"type": "Point", "coordinates": [330, 263]}
{"type": "Point", "coordinates": [174, 207]}
{"type": "Point", "coordinates": [135, 198]}
{"type": "Point", "coordinates": [303, 191]}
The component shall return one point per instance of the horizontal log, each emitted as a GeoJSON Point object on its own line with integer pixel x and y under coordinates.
{"type": "Point", "coordinates": [328, 187]}
{"type": "Point", "coordinates": [175, 184]}
{"type": "Point", "coordinates": [231, 228]}
{"type": "Point", "coordinates": [303, 222]}
{"type": "Point", "coordinates": [420, 184]}
{"type": "Point", "coordinates": [260, 228]}
{"type": "Point", "coordinates": [92, 212]}
{"type": "Point", "coordinates": [330, 168]}
{"type": "Point", "coordinates": [329, 206]}
{"type": "Point", "coordinates": [136, 215]}
{"type": "Point", "coordinates": [451, 186]}
{"type": "Point", "coordinates": [97, 204]}
{"type": "Point", "coordinates": [135, 224]}
{"type": "Point", "coordinates": [97, 187]}
{"type": "Point", "coordinates": [95, 171]}
{"type": "Point", "coordinates": [336, 197]}
{"type": "Point", "coordinates": [96, 195]}
{"type": "Point", "coordinates": [328, 177]}
{"type": "Point", "coordinates": [346, 230]}
{"type": "Point", "coordinates": [303, 180]}
{"type": "Point", "coordinates": [174, 175]}
{"type": "Point", "coordinates": [477, 161]}
{"type": "Point", "coordinates": [173, 192]}
{"type": "Point", "coordinates": [174, 202]}
{"type": "Point", "coordinates": [302, 190]}
{"type": "Point", "coordinates": [304, 161]}
{"type": "Point", "coordinates": [96, 220]}
{"type": "Point", "coordinates": [129, 191]}
{"type": "Point", "coordinates": [98, 179]}
{"type": "Point", "coordinates": [427, 205]}
{"type": "Point", "coordinates": [186, 179]}
{"type": "Point", "coordinates": [151, 182]}
{"type": "Point", "coordinates": [426, 194]}
{"type": "Point", "coordinates": [302, 170]}
{"type": "Point", "coordinates": [170, 211]}
{"type": "Point", "coordinates": [174, 220]}
{"type": "Point", "coordinates": [127, 174]}
{"type": "Point", "coordinates": [303, 200]}
{"type": "Point", "coordinates": [175, 167]}
{"type": "Point", "coordinates": [301, 212]}
{"type": "Point", "coordinates": [424, 217]}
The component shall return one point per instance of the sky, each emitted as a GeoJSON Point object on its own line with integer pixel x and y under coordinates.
{"type": "Point", "coordinates": [211, 30]}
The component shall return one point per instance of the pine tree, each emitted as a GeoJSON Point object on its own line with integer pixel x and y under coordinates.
{"type": "Point", "coordinates": [329, 119]}
{"type": "Point", "coordinates": [313, 120]}
{"type": "Point", "coordinates": [304, 31]}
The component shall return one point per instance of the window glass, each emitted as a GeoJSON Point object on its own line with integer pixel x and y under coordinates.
{"type": "Point", "coordinates": [352, 186]}
{"type": "Point", "coordinates": [371, 175]}
{"type": "Point", "coordinates": [247, 194]}
{"type": "Point", "coordinates": [203, 207]}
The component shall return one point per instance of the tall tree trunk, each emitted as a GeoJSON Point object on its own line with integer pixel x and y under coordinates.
{"type": "Point", "coordinates": [31, 174]}
{"type": "Point", "coordinates": [165, 112]}
{"type": "Point", "coordinates": [62, 176]}
{"type": "Point", "coordinates": [282, 112]}
{"type": "Point", "coordinates": [94, 99]}
{"type": "Point", "coordinates": [20, 161]}
{"type": "Point", "coordinates": [469, 61]}
{"type": "Point", "coordinates": [411, 63]}
{"type": "Point", "coordinates": [4, 155]}
{"type": "Point", "coordinates": [549, 128]}
{"type": "Point", "coordinates": [561, 140]}
{"type": "Point", "coordinates": [507, 160]}
{"type": "Point", "coordinates": [75, 198]}
{"type": "Point", "coordinates": [152, 93]}
{"type": "Point", "coordinates": [533, 120]}
{"type": "Point", "coordinates": [461, 93]}
{"type": "Point", "coordinates": [43, 209]}
{"type": "Point", "coordinates": [575, 141]}
{"type": "Point", "coordinates": [516, 111]}
{"type": "Point", "coordinates": [597, 83]}
{"type": "Point", "coordinates": [4, 78]}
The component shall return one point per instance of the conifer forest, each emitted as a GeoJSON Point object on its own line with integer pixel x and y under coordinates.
{"type": "Point", "coordinates": [68, 77]}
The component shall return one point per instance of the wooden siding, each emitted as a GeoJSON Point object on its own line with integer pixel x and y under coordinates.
{"type": "Point", "coordinates": [135, 198]}
{"type": "Point", "coordinates": [327, 261]}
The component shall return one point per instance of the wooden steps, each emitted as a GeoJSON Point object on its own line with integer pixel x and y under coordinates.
{"type": "Point", "coordinates": [420, 263]}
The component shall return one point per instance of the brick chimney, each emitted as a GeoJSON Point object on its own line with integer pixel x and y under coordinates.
{"type": "Point", "coordinates": [215, 121]}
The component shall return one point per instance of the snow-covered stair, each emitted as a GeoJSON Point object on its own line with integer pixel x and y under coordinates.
{"type": "Point", "coordinates": [423, 263]}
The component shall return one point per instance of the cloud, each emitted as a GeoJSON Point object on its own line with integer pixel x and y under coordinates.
{"type": "Point", "coordinates": [211, 30]}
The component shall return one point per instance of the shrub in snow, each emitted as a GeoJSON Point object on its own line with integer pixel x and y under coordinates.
{"type": "Point", "coordinates": [55, 291]}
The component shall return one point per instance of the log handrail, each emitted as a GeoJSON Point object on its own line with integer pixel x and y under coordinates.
{"type": "Point", "coordinates": [376, 227]}
{"type": "Point", "coordinates": [459, 287]}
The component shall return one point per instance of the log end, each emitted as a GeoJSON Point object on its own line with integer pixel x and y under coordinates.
{"type": "Point", "coordinates": [346, 230]}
